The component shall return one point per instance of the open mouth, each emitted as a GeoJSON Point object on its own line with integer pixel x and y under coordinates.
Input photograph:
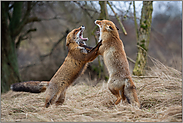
{"type": "Point", "coordinates": [98, 34]}
{"type": "Point", "coordinates": [98, 31]}
{"type": "Point", "coordinates": [80, 39]}
{"type": "Point", "coordinates": [81, 34]}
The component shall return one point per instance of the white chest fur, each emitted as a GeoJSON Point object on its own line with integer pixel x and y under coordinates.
{"type": "Point", "coordinates": [115, 63]}
{"type": "Point", "coordinates": [109, 60]}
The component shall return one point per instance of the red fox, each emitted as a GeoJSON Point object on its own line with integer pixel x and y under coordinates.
{"type": "Point", "coordinates": [74, 65]}
{"type": "Point", "coordinates": [114, 56]}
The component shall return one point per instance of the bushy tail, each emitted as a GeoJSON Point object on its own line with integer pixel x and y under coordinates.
{"type": "Point", "coordinates": [30, 86]}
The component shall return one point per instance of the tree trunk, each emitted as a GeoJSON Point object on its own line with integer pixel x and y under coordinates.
{"type": "Point", "coordinates": [143, 37]}
{"type": "Point", "coordinates": [103, 10]}
{"type": "Point", "coordinates": [9, 64]}
{"type": "Point", "coordinates": [103, 15]}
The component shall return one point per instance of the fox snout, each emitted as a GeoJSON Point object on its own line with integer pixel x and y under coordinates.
{"type": "Point", "coordinates": [82, 28]}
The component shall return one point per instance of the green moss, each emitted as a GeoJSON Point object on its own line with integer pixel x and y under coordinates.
{"type": "Point", "coordinates": [144, 26]}
{"type": "Point", "coordinates": [106, 78]}
{"type": "Point", "coordinates": [143, 46]}
{"type": "Point", "coordinates": [143, 41]}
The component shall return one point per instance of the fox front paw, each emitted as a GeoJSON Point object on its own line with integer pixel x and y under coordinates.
{"type": "Point", "coordinates": [83, 50]}
{"type": "Point", "coordinates": [100, 43]}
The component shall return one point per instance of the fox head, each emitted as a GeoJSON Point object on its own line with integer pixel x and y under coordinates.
{"type": "Point", "coordinates": [107, 29]}
{"type": "Point", "coordinates": [76, 36]}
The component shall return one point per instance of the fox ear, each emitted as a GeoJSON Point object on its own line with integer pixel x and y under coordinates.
{"type": "Point", "coordinates": [117, 28]}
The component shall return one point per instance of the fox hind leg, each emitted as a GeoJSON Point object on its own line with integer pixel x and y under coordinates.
{"type": "Point", "coordinates": [51, 96]}
{"type": "Point", "coordinates": [61, 98]}
{"type": "Point", "coordinates": [55, 93]}
{"type": "Point", "coordinates": [122, 93]}
{"type": "Point", "coordinates": [117, 94]}
{"type": "Point", "coordinates": [50, 100]}
{"type": "Point", "coordinates": [130, 93]}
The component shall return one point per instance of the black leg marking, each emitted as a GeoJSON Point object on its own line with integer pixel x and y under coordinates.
{"type": "Point", "coordinates": [128, 100]}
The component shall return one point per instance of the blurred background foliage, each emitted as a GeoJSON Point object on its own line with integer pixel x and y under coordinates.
{"type": "Point", "coordinates": [41, 50]}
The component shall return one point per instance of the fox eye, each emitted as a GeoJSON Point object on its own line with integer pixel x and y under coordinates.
{"type": "Point", "coordinates": [110, 27]}
{"type": "Point", "coordinates": [75, 31]}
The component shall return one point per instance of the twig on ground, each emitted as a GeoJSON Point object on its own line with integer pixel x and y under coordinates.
{"type": "Point", "coordinates": [145, 76]}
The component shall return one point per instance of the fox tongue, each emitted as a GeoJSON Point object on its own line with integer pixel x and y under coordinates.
{"type": "Point", "coordinates": [84, 39]}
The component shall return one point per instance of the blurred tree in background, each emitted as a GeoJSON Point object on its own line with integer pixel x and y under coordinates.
{"type": "Point", "coordinates": [14, 18]}
{"type": "Point", "coordinates": [103, 16]}
{"type": "Point", "coordinates": [143, 36]}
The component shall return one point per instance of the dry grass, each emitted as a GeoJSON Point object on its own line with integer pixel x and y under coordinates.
{"type": "Point", "coordinates": [161, 100]}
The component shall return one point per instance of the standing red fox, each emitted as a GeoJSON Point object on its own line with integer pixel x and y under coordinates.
{"type": "Point", "coordinates": [114, 56]}
{"type": "Point", "coordinates": [74, 65]}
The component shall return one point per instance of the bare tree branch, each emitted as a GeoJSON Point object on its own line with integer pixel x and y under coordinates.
{"type": "Point", "coordinates": [29, 20]}
{"type": "Point", "coordinates": [135, 20]}
{"type": "Point", "coordinates": [117, 17]}
{"type": "Point", "coordinates": [130, 59]}
{"type": "Point", "coordinates": [32, 19]}
{"type": "Point", "coordinates": [26, 19]}
{"type": "Point", "coordinates": [22, 37]}
{"type": "Point", "coordinates": [29, 65]}
{"type": "Point", "coordinates": [55, 45]}
{"type": "Point", "coordinates": [48, 19]}
{"type": "Point", "coordinates": [84, 9]}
